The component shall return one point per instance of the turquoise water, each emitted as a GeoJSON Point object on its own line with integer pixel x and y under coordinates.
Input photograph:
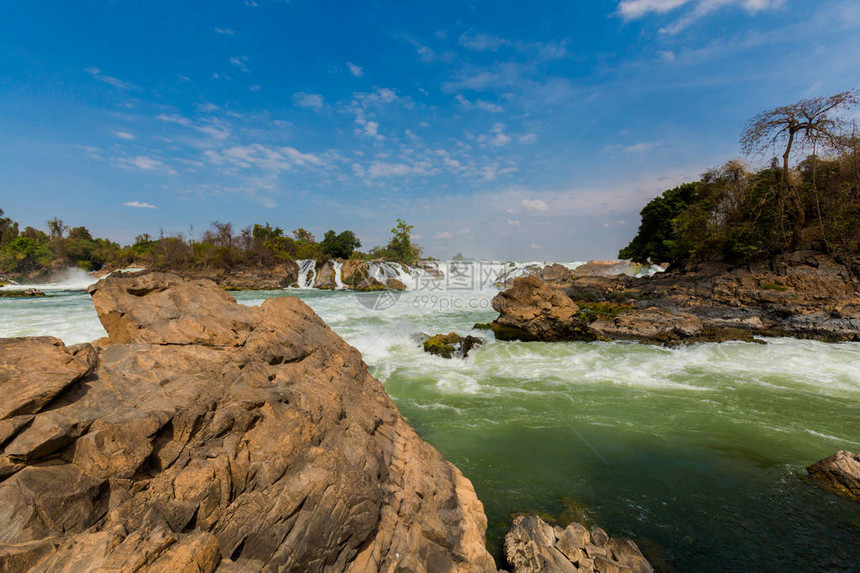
{"type": "Point", "coordinates": [696, 453]}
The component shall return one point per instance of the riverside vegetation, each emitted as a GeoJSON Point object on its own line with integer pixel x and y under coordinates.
{"type": "Point", "coordinates": [32, 254]}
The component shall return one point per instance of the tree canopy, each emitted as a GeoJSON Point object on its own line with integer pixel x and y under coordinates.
{"type": "Point", "coordinates": [735, 214]}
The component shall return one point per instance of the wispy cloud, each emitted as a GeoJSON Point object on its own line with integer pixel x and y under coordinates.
{"type": "Point", "coordinates": [540, 50]}
{"type": "Point", "coordinates": [534, 205]}
{"type": "Point", "coordinates": [224, 31]}
{"type": "Point", "coordinates": [355, 70]}
{"type": "Point", "coordinates": [259, 156]}
{"type": "Point", "coordinates": [211, 126]}
{"type": "Point", "coordinates": [112, 81]}
{"type": "Point", "coordinates": [145, 163]}
{"type": "Point", "coordinates": [480, 104]}
{"type": "Point", "coordinates": [139, 205]}
{"type": "Point", "coordinates": [497, 136]}
{"type": "Point", "coordinates": [240, 62]}
{"type": "Point", "coordinates": [122, 134]}
{"type": "Point", "coordinates": [696, 10]}
{"type": "Point", "coordinates": [310, 101]}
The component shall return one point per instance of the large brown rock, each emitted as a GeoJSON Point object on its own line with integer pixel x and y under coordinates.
{"type": "Point", "coordinates": [532, 310]}
{"type": "Point", "coordinates": [34, 370]}
{"type": "Point", "coordinates": [214, 435]}
{"type": "Point", "coordinates": [840, 473]}
{"type": "Point", "coordinates": [607, 269]}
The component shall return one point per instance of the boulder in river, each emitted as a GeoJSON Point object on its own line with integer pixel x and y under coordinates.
{"type": "Point", "coordinates": [203, 434]}
{"type": "Point", "coordinates": [532, 310]}
{"type": "Point", "coordinates": [839, 472]}
{"type": "Point", "coordinates": [450, 345]}
{"type": "Point", "coordinates": [533, 546]}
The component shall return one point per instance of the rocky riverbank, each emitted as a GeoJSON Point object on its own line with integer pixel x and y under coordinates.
{"type": "Point", "coordinates": [804, 295]}
{"type": "Point", "coordinates": [204, 435]}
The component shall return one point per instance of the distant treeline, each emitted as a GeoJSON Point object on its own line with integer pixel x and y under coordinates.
{"type": "Point", "coordinates": [31, 251]}
{"type": "Point", "coordinates": [734, 214]}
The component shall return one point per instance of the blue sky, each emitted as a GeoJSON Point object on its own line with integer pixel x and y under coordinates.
{"type": "Point", "coordinates": [516, 130]}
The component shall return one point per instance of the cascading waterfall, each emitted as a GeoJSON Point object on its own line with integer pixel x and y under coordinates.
{"type": "Point", "coordinates": [338, 279]}
{"type": "Point", "coordinates": [307, 272]}
{"type": "Point", "coordinates": [481, 274]}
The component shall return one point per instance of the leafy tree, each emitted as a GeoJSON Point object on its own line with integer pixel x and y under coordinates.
{"type": "Point", "coordinates": [400, 248]}
{"type": "Point", "coordinates": [8, 229]}
{"type": "Point", "coordinates": [23, 255]}
{"type": "Point", "coordinates": [656, 241]}
{"type": "Point", "coordinates": [339, 246]}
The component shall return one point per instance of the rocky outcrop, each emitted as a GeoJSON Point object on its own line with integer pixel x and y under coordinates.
{"type": "Point", "coordinates": [324, 278]}
{"type": "Point", "coordinates": [250, 277]}
{"type": "Point", "coordinates": [531, 310]}
{"type": "Point", "coordinates": [533, 546]}
{"type": "Point", "coordinates": [839, 473]}
{"type": "Point", "coordinates": [203, 435]}
{"type": "Point", "coordinates": [607, 269]}
{"type": "Point", "coordinates": [804, 295]}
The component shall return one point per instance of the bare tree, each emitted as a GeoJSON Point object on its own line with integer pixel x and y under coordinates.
{"type": "Point", "coordinates": [56, 228]}
{"type": "Point", "coordinates": [809, 121]}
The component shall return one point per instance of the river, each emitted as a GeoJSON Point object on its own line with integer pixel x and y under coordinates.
{"type": "Point", "coordinates": [697, 453]}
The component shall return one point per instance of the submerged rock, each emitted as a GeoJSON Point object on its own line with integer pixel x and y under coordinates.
{"type": "Point", "coordinates": [533, 546]}
{"type": "Point", "coordinates": [840, 473]}
{"type": "Point", "coordinates": [449, 345]}
{"type": "Point", "coordinates": [205, 434]}
{"type": "Point", "coordinates": [27, 293]}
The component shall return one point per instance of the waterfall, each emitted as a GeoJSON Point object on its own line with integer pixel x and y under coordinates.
{"type": "Point", "coordinates": [307, 271]}
{"type": "Point", "coordinates": [476, 275]}
{"type": "Point", "coordinates": [338, 280]}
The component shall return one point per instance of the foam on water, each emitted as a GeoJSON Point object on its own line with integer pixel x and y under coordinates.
{"type": "Point", "coordinates": [69, 279]}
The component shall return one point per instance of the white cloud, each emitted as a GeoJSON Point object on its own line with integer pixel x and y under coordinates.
{"type": "Point", "coordinates": [534, 204]}
{"type": "Point", "coordinates": [122, 134]}
{"type": "Point", "coordinates": [310, 101]}
{"type": "Point", "coordinates": [224, 31]}
{"type": "Point", "coordinates": [527, 138]}
{"type": "Point", "coordinates": [145, 163]}
{"type": "Point", "coordinates": [514, 223]}
{"type": "Point", "coordinates": [535, 246]}
{"type": "Point", "coordinates": [444, 235]}
{"type": "Point", "coordinates": [378, 97]}
{"type": "Point", "coordinates": [255, 88]}
{"type": "Point", "coordinates": [213, 127]}
{"type": "Point", "coordinates": [261, 157]}
{"type": "Point", "coordinates": [480, 104]}
{"type": "Point", "coordinates": [497, 136]}
{"type": "Point", "coordinates": [240, 62]}
{"type": "Point", "coordinates": [667, 55]}
{"type": "Point", "coordinates": [640, 147]}
{"type": "Point", "coordinates": [635, 9]}
{"type": "Point", "coordinates": [540, 50]}
{"type": "Point", "coordinates": [383, 169]}
{"type": "Point", "coordinates": [368, 129]}
{"type": "Point", "coordinates": [355, 70]}
{"type": "Point", "coordinates": [115, 82]}
{"type": "Point", "coordinates": [139, 205]}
